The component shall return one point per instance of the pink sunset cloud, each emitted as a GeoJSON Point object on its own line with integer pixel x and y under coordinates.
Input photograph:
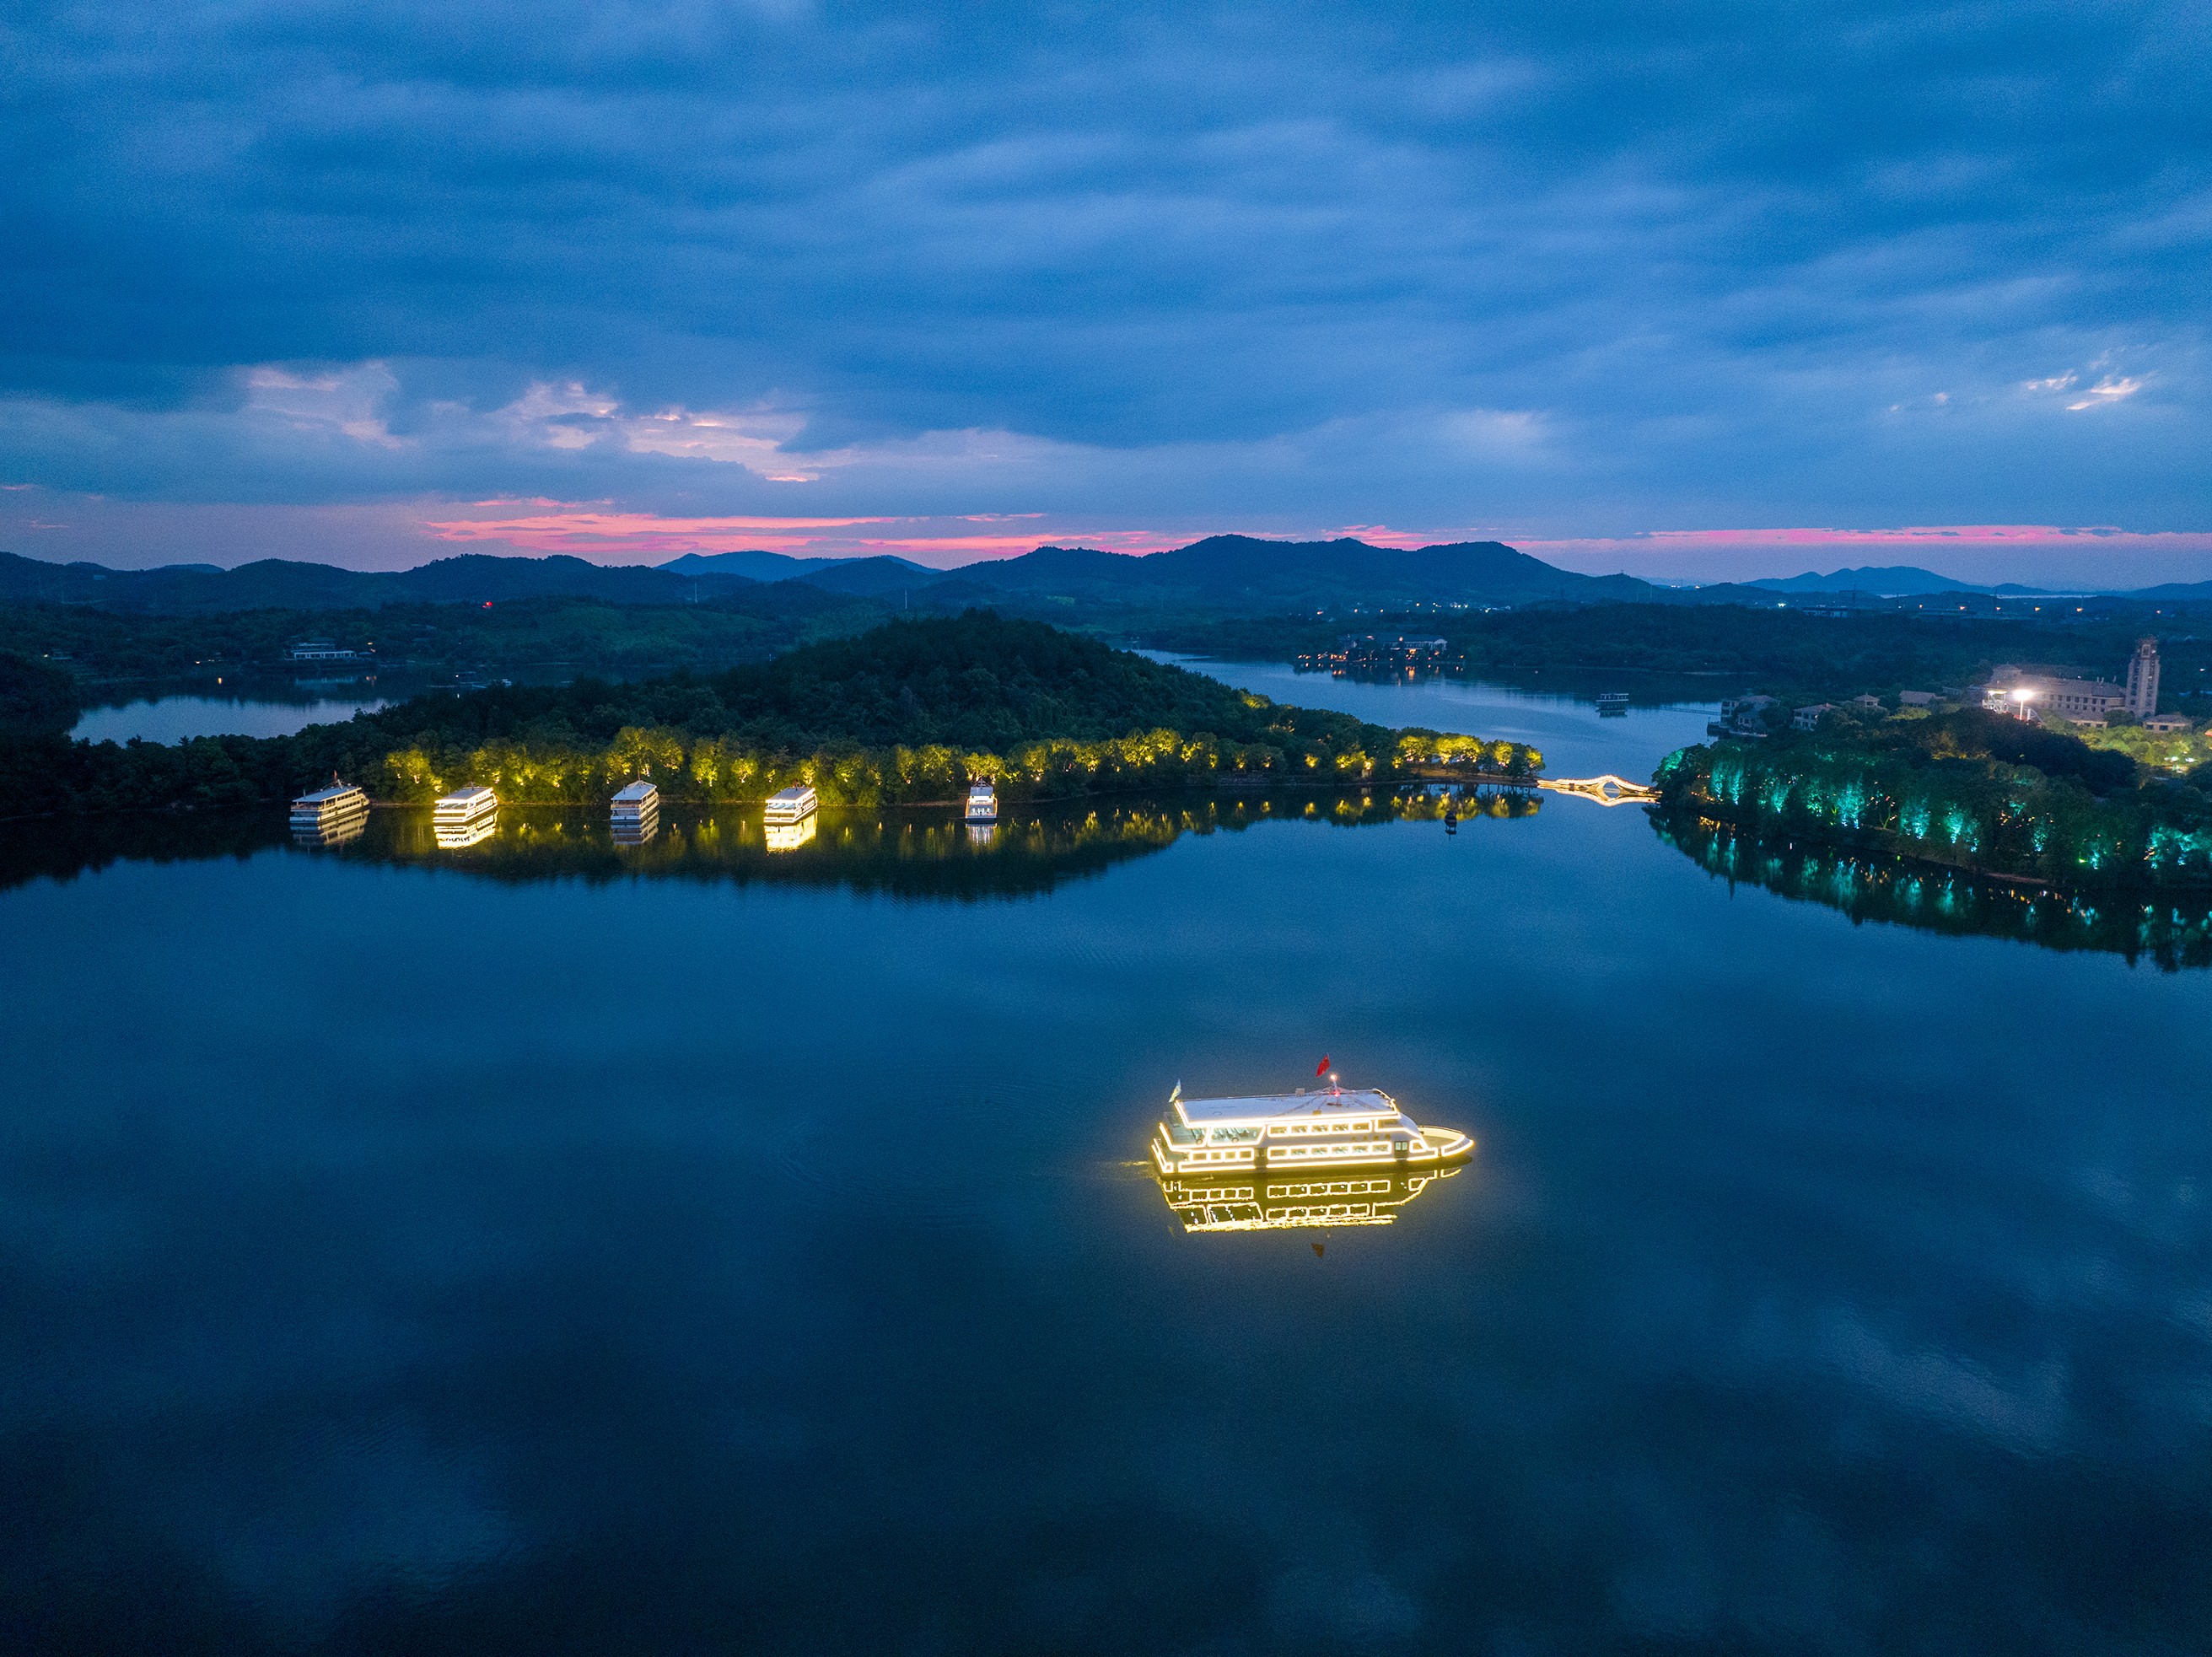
{"type": "Point", "coordinates": [628, 536]}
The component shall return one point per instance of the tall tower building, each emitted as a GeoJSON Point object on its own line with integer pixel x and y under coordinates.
{"type": "Point", "coordinates": [2142, 680]}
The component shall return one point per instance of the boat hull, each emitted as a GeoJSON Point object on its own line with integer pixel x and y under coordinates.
{"type": "Point", "coordinates": [1438, 1147]}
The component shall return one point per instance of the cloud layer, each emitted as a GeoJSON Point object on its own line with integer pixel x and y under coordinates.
{"type": "Point", "coordinates": [1588, 273]}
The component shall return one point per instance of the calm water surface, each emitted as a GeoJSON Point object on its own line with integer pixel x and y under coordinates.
{"type": "Point", "coordinates": [173, 718]}
{"type": "Point", "coordinates": [1575, 739]}
{"type": "Point", "coordinates": [545, 1247]}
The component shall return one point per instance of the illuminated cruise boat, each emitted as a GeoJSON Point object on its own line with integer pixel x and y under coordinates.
{"type": "Point", "coordinates": [1251, 1202]}
{"type": "Point", "coordinates": [1337, 1127]}
{"type": "Point", "coordinates": [790, 805]}
{"type": "Point", "coordinates": [983, 803]}
{"type": "Point", "coordinates": [467, 816]}
{"type": "Point", "coordinates": [634, 813]}
{"type": "Point", "coordinates": [332, 816]}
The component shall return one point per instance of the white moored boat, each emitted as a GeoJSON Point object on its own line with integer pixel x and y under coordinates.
{"type": "Point", "coordinates": [634, 814]}
{"type": "Point", "coordinates": [789, 818]}
{"type": "Point", "coordinates": [790, 805]}
{"type": "Point", "coordinates": [983, 803]}
{"type": "Point", "coordinates": [331, 815]}
{"type": "Point", "coordinates": [1335, 1127]}
{"type": "Point", "coordinates": [466, 817]}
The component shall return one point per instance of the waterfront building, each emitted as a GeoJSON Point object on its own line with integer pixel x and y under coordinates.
{"type": "Point", "coordinates": [1808, 719]}
{"type": "Point", "coordinates": [1392, 650]}
{"type": "Point", "coordinates": [1340, 1127]}
{"type": "Point", "coordinates": [322, 649]}
{"type": "Point", "coordinates": [983, 803]}
{"type": "Point", "coordinates": [1739, 716]}
{"type": "Point", "coordinates": [2084, 701]}
{"type": "Point", "coordinates": [1917, 698]}
{"type": "Point", "coordinates": [2027, 695]}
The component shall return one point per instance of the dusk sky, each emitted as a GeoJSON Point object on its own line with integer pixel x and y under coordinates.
{"type": "Point", "coordinates": [1690, 290]}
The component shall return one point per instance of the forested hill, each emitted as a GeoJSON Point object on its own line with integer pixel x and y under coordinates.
{"type": "Point", "coordinates": [910, 712]}
{"type": "Point", "coordinates": [975, 682]}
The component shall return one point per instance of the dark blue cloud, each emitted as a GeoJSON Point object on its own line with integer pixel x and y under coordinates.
{"type": "Point", "coordinates": [1592, 267]}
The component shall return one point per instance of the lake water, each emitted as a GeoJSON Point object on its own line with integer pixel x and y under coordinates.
{"type": "Point", "coordinates": [1575, 739]}
{"type": "Point", "coordinates": [554, 1246]}
{"type": "Point", "coordinates": [173, 718]}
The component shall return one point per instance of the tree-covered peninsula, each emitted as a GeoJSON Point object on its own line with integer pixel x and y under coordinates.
{"type": "Point", "coordinates": [908, 712]}
{"type": "Point", "coordinates": [1971, 789]}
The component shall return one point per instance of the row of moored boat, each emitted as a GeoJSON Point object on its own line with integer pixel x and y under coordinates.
{"type": "Point", "coordinates": [469, 816]}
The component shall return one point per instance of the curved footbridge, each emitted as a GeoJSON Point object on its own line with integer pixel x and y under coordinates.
{"type": "Point", "coordinates": [1606, 790]}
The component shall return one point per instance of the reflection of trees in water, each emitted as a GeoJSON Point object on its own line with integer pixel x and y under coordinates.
{"type": "Point", "coordinates": [62, 848]}
{"type": "Point", "coordinates": [922, 853]}
{"type": "Point", "coordinates": [1866, 887]}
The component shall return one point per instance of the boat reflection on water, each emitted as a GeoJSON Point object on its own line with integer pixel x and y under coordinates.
{"type": "Point", "coordinates": [1274, 1201]}
{"type": "Point", "coordinates": [915, 851]}
{"type": "Point", "coordinates": [790, 836]}
{"type": "Point", "coordinates": [457, 836]}
{"type": "Point", "coordinates": [333, 833]}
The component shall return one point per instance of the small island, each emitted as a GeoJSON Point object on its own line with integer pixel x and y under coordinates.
{"type": "Point", "coordinates": [907, 714]}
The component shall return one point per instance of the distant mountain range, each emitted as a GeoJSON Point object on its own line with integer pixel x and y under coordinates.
{"type": "Point", "coordinates": [1888, 581]}
{"type": "Point", "coordinates": [772, 566]}
{"type": "Point", "coordinates": [1235, 574]}
{"type": "Point", "coordinates": [281, 584]}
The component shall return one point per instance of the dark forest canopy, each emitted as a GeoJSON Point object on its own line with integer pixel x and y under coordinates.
{"type": "Point", "coordinates": [911, 711]}
{"type": "Point", "coordinates": [580, 633]}
{"type": "Point", "coordinates": [1786, 653]}
{"type": "Point", "coordinates": [36, 698]}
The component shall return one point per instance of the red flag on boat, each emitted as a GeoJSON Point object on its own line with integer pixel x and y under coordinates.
{"type": "Point", "coordinates": [1321, 1069]}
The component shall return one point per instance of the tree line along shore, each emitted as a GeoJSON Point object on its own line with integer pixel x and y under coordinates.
{"type": "Point", "coordinates": [1967, 788]}
{"type": "Point", "coordinates": [908, 712]}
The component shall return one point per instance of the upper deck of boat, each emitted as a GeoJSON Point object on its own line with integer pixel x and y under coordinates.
{"type": "Point", "coordinates": [343, 793]}
{"type": "Point", "coordinates": [1328, 1103]}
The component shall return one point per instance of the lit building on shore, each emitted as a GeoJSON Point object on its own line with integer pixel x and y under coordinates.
{"type": "Point", "coordinates": [2084, 701]}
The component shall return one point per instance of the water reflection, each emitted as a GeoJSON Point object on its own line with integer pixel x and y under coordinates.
{"type": "Point", "coordinates": [1264, 1203]}
{"type": "Point", "coordinates": [2175, 933]}
{"type": "Point", "coordinates": [455, 836]}
{"type": "Point", "coordinates": [339, 831]}
{"type": "Point", "coordinates": [790, 836]}
{"type": "Point", "coordinates": [911, 852]}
